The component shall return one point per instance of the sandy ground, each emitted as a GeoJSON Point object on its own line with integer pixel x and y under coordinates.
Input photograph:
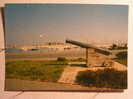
{"type": "Point", "coordinates": [25, 85]}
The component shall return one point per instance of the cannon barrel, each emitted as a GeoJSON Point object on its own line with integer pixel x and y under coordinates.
{"type": "Point", "coordinates": [85, 45]}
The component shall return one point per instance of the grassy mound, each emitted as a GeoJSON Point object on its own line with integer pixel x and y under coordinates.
{"type": "Point", "coordinates": [107, 78]}
{"type": "Point", "coordinates": [122, 58]}
{"type": "Point", "coordinates": [35, 70]}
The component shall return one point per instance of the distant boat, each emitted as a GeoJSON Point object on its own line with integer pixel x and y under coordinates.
{"type": "Point", "coordinates": [38, 50]}
{"type": "Point", "coordinates": [33, 49]}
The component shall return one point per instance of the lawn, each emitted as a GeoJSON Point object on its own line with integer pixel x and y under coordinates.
{"type": "Point", "coordinates": [35, 70]}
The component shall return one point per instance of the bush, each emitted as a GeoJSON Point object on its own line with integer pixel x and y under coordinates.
{"type": "Point", "coordinates": [81, 59]}
{"type": "Point", "coordinates": [121, 61]}
{"type": "Point", "coordinates": [107, 78]}
{"type": "Point", "coordinates": [61, 59]}
{"type": "Point", "coordinates": [122, 55]}
{"type": "Point", "coordinates": [78, 60]}
{"type": "Point", "coordinates": [117, 47]}
{"type": "Point", "coordinates": [86, 78]}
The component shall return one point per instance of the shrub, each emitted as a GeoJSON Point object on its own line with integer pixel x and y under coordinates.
{"type": "Point", "coordinates": [81, 59]}
{"type": "Point", "coordinates": [86, 78]}
{"type": "Point", "coordinates": [108, 78]}
{"type": "Point", "coordinates": [122, 55]}
{"type": "Point", "coordinates": [115, 47]}
{"type": "Point", "coordinates": [61, 59]}
{"type": "Point", "coordinates": [78, 60]}
{"type": "Point", "coordinates": [121, 61]}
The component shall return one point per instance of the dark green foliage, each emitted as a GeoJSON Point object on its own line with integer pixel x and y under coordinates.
{"type": "Point", "coordinates": [107, 78]}
{"type": "Point", "coordinates": [121, 61]}
{"type": "Point", "coordinates": [61, 59]}
{"type": "Point", "coordinates": [116, 47]}
{"type": "Point", "coordinates": [35, 70]}
{"type": "Point", "coordinates": [122, 55]}
{"type": "Point", "coordinates": [83, 78]}
{"type": "Point", "coordinates": [121, 58]}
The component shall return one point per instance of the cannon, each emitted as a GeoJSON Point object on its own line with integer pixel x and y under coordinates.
{"type": "Point", "coordinates": [95, 49]}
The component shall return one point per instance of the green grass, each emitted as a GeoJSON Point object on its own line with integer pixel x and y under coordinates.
{"type": "Point", "coordinates": [78, 60]}
{"type": "Point", "coordinates": [35, 70]}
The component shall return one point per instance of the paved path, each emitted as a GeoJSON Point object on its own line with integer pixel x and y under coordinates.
{"type": "Point", "coordinates": [69, 74]}
{"type": "Point", "coordinates": [119, 66]}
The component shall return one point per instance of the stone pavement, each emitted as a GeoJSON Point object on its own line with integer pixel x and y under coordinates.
{"type": "Point", "coordinates": [69, 74]}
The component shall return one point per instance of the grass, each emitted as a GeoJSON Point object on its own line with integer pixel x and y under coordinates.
{"type": "Point", "coordinates": [35, 70]}
{"type": "Point", "coordinates": [78, 60]}
{"type": "Point", "coordinates": [107, 78]}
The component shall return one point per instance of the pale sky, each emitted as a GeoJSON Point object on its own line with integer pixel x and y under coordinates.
{"type": "Point", "coordinates": [40, 23]}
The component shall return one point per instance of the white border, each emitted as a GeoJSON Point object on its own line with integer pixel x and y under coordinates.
{"type": "Point", "coordinates": [69, 95]}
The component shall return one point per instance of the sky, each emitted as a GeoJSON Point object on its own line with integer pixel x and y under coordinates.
{"type": "Point", "coordinates": [28, 24]}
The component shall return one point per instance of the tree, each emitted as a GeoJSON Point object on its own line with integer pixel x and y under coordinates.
{"type": "Point", "coordinates": [114, 46]}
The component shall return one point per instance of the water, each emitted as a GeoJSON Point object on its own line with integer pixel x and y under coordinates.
{"type": "Point", "coordinates": [14, 50]}
{"type": "Point", "coordinates": [10, 50]}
